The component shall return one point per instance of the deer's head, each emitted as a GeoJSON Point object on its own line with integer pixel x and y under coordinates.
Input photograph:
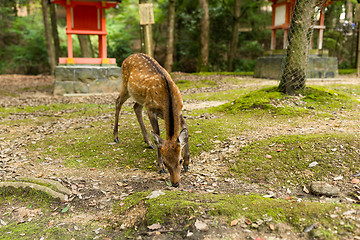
{"type": "Point", "coordinates": [171, 152]}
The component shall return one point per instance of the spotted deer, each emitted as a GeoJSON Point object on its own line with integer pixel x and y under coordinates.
{"type": "Point", "coordinates": [151, 86]}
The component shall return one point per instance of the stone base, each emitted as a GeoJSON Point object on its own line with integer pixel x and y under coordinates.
{"type": "Point", "coordinates": [87, 79]}
{"type": "Point", "coordinates": [319, 66]}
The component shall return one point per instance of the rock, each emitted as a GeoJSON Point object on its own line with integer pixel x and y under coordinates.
{"type": "Point", "coordinates": [155, 194]}
{"type": "Point", "coordinates": [323, 188]}
{"type": "Point", "coordinates": [313, 164]}
{"type": "Point", "coordinates": [155, 226]}
{"type": "Point", "coordinates": [201, 226]}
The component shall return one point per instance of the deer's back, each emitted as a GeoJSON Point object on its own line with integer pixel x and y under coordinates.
{"type": "Point", "coordinates": [148, 83]}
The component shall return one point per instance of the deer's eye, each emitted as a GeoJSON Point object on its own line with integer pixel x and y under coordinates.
{"type": "Point", "coordinates": [181, 161]}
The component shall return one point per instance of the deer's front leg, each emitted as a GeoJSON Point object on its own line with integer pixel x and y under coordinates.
{"type": "Point", "coordinates": [155, 126]}
{"type": "Point", "coordinates": [138, 110]}
{"type": "Point", "coordinates": [186, 147]}
{"type": "Point", "coordinates": [119, 102]}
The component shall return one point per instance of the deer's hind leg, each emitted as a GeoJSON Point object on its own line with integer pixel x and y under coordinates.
{"type": "Point", "coordinates": [138, 111]}
{"type": "Point", "coordinates": [123, 96]}
{"type": "Point", "coordinates": [186, 147]}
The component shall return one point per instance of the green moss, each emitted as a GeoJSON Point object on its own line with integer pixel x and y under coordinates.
{"type": "Point", "coordinates": [291, 155]}
{"type": "Point", "coordinates": [187, 84]}
{"type": "Point", "coordinates": [308, 100]}
{"type": "Point", "coordinates": [59, 109]}
{"type": "Point", "coordinates": [26, 195]}
{"type": "Point", "coordinates": [347, 71]}
{"type": "Point", "coordinates": [224, 73]}
{"type": "Point", "coordinates": [177, 206]}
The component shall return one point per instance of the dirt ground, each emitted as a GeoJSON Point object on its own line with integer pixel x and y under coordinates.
{"type": "Point", "coordinates": [98, 188]}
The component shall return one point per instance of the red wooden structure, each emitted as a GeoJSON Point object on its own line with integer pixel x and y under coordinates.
{"type": "Point", "coordinates": [86, 17]}
{"type": "Point", "coordinates": [282, 11]}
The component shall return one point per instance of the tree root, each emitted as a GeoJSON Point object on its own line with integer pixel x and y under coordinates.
{"type": "Point", "coordinates": [54, 194]}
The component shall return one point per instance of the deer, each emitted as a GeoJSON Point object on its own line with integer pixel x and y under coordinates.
{"type": "Point", "coordinates": [151, 86]}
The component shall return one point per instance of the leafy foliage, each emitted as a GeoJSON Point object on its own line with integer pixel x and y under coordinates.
{"type": "Point", "coordinates": [23, 47]}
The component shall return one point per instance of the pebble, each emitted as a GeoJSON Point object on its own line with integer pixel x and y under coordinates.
{"type": "Point", "coordinates": [323, 188]}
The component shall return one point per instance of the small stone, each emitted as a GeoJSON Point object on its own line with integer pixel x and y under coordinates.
{"type": "Point", "coordinates": [338, 178]}
{"type": "Point", "coordinates": [313, 164]}
{"type": "Point", "coordinates": [323, 188]}
{"type": "Point", "coordinates": [201, 226]}
{"type": "Point", "coordinates": [350, 212]}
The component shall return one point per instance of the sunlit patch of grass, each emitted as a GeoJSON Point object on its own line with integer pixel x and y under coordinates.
{"type": "Point", "coordinates": [307, 101]}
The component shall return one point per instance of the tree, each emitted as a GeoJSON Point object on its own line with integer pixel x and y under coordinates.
{"type": "Point", "coordinates": [170, 40]}
{"type": "Point", "coordinates": [293, 75]}
{"type": "Point", "coordinates": [50, 46]}
{"type": "Point", "coordinates": [55, 33]}
{"type": "Point", "coordinates": [85, 46]}
{"type": "Point", "coordinates": [235, 36]}
{"type": "Point", "coordinates": [204, 36]}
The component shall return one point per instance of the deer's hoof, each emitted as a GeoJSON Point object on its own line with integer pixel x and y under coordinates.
{"type": "Point", "coordinates": [186, 168]}
{"type": "Point", "coordinates": [116, 140]}
{"type": "Point", "coordinates": [162, 170]}
{"type": "Point", "coordinates": [151, 147]}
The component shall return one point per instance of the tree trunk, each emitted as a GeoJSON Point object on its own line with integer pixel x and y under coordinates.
{"type": "Point", "coordinates": [170, 41]}
{"type": "Point", "coordinates": [55, 33]}
{"type": "Point", "coordinates": [204, 36]}
{"type": "Point", "coordinates": [85, 46]}
{"type": "Point", "coordinates": [235, 36]}
{"type": "Point", "coordinates": [50, 46]}
{"type": "Point", "coordinates": [349, 10]}
{"type": "Point", "coordinates": [293, 75]}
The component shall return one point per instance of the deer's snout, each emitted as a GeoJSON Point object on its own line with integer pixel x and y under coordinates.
{"type": "Point", "coordinates": [175, 184]}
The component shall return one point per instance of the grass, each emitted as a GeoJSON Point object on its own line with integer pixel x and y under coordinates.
{"type": "Point", "coordinates": [308, 100]}
{"type": "Point", "coordinates": [82, 146]}
{"type": "Point", "coordinates": [175, 207]}
{"type": "Point", "coordinates": [53, 110]}
{"type": "Point", "coordinates": [187, 84]}
{"type": "Point", "coordinates": [336, 154]}
{"type": "Point", "coordinates": [224, 73]}
{"type": "Point", "coordinates": [347, 71]}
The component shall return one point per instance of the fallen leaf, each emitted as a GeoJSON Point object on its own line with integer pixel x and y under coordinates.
{"type": "Point", "coordinates": [355, 181]}
{"type": "Point", "coordinates": [313, 164]}
{"type": "Point", "coordinates": [234, 222]}
{"type": "Point", "coordinates": [272, 226]}
{"type": "Point", "coordinates": [66, 209]}
{"type": "Point", "coordinates": [268, 156]}
{"type": "Point", "coordinates": [92, 169]}
{"type": "Point", "coordinates": [279, 150]}
{"type": "Point", "coordinates": [306, 190]}
{"type": "Point", "coordinates": [155, 226]}
{"type": "Point", "coordinates": [247, 221]}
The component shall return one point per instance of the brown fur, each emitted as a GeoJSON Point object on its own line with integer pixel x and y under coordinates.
{"type": "Point", "coordinates": [151, 86]}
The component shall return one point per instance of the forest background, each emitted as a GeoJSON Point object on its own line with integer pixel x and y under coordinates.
{"type": "Point", "coordinates": [236, 38]}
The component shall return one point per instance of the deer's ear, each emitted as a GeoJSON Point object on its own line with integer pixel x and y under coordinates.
{"type": "Point", "coordinates": [183, 137]}
{"type": "Point", "coordinates": [157, 139]}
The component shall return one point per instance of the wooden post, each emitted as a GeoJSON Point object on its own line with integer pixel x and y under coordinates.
{"type": "Point", "coordinates": [146, 19]}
